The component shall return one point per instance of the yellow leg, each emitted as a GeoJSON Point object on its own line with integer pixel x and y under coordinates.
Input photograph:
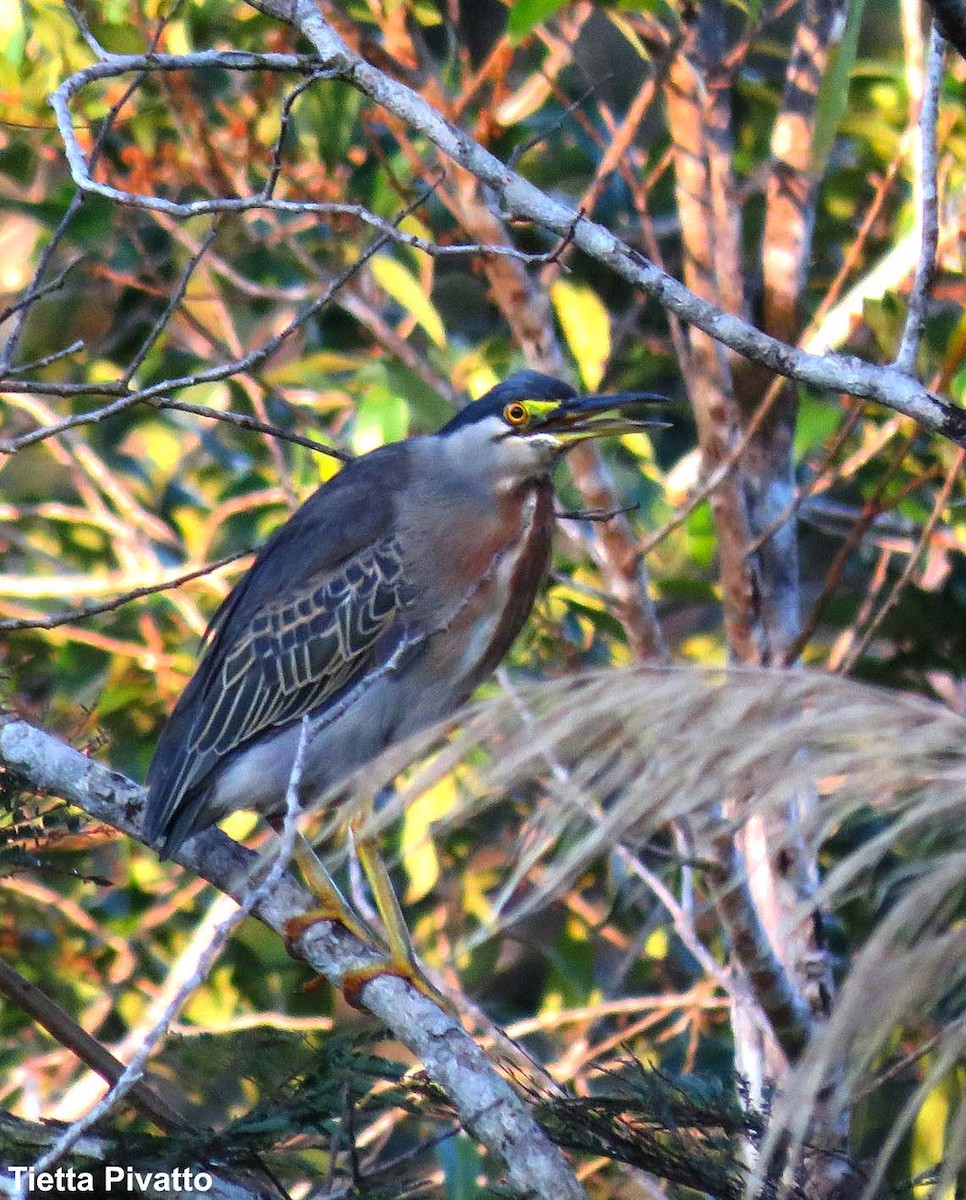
{"type": "Point", "coordinates": [400, 959]}
{"type": "Point", "coordinates": [387, 903]}
{"type": "Point", "coordinates": [332, 904]}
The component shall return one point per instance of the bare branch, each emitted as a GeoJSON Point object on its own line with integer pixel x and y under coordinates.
{"type": "Point", "coordinates": [243, 421]}
{"type": "Point", "coordinates": [177, 295]}
{"type": "Point", "coordinates": [89, 1050]}
{"type": "Point", "coordinates": [84, 611]}
{"type": "Point", "coordinates": [928, 208]}
{"type": "Point", "coordinates": [54, 356]}
{"type": "Point", "coordinates": [489, 1109]}
{"type": "Point", "coordinates": [225, 371]}
{"type": "Point", "coordinates": [286, 117]}
{"type": "Point", "coordinates": [520, 198]}
{"type": "Point", "coordinates": [264, 201]}
{"type": "Point", "coordinates": [252, 896]}
{"type": "Point", "coordinates": [36, 289]}
{"type": "Point", "coordinates": [45, 289]}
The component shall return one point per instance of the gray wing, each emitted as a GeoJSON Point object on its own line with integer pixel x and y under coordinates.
{"type": "Point", "coordinates": [297, 629]}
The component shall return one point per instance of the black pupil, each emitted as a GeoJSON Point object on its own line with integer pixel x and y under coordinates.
{"type": "Point", "coordinates": [517, 413]}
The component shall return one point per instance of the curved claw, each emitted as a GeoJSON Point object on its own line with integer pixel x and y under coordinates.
{"type": "Point", "coordinates": [295, 927]}
{"type": "Point", "coordinates": [354, 981]}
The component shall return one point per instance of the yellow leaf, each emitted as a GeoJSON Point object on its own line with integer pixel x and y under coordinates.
{"type": "Point", "coordinates": [12, 29]}
{"type": "Point", "coordinates": [586, 326]}
{"type": "Point", "coordinates": [656, 946]}
{"type": "Point", "coordinates": [309, 367]}
{"type": "Point", "coordinates": [476, 903]}
{"type": "Point", "coordinates": [929, 1139]}
{"type": "Point", "coordinates": [177, 40]}
{"type": "Point", "coordinates": [407, 291]}
{"type": "Point", "coordinates": [416, 849]}
{"type": "Point", "coordinates": [479, 380]}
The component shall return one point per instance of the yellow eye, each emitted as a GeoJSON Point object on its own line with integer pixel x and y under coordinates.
{"type": "Point", "coordinates": [516, 414]}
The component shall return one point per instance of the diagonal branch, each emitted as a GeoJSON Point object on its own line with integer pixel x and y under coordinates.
{"type": "Point", "coordinates": [64, 1028]}
{"type": "Point", "coordinates": [927, 203]}
{"type": "Point", "coordinates": [519, 198]}
{"type": "Point", "coordinates": [488, 1107]}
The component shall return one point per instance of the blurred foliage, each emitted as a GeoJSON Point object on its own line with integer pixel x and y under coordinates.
{"type": "Point", "coordinates": [151, 493]}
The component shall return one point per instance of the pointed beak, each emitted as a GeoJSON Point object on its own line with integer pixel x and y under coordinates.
{"type": "Point", "coordinates": [584, 417]}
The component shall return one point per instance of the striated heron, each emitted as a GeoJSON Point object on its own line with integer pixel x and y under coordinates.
{"type": "Point", "coordinates": [376, 609]}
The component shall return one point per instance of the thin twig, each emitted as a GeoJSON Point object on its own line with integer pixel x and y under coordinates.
{"type": "Point", "coordinates": [928, 208]}
{"type": "Point", "coordinates": [253, 897]}
{"type": "Point", "coordinates": [233, 60]}
{"type": "Point", "coordinates": [54, 356]}
{"type": "Point", "coordinates": [68, 1033]}
{"type": "Point", "coordinates": [85, 31]}
{"type": "Point", "coordinates": [177, 295]}
{"type": "Point", "coordinates": [899, 586]}
{"type": "Point", "coordinates": [84, 611]}
{"type": "Point", "coordinates": [276, 168]}
{"type": "Point", "coordinates": [244, 421]}
{"type": "Point", "coordinates": [35, 289]}
{"type": "Point", "coordinates": [52, 285]}
{"type": "Point", "coordinates": [213, 374]}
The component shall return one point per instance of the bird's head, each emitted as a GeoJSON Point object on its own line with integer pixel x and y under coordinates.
{"type": "Point", "coordinates": [520, 428]}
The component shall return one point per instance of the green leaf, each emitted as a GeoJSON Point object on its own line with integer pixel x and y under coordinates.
{"type": "Point", "coordinates": [525, 14]}
{"type": "Point", "coordinates": [407, 291]}
{"type": "Point", "coordinates": [833, 97]}
{"type": "Point", "coordinates": [13, 33]}
{"type": "Point", "coordinates": [381, 417]}
{"type": "Point", "coordinates": [586, 326]}
{"type": "Point", "coordinates": [461, 1164]}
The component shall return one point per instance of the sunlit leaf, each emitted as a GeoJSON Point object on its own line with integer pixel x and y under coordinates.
{"type": "Point", "coordinates": [586, 326]}
{"type": "Point", "coordinates": [833, 97]}
{"type": "Point", "coordinates": [525, 14]}
{"type": "Point", "coordinates": [12, 31]}
{"type": "Point", "coordinates": [380, 418]}
{"type": "Point", "coordinates": [408, 293]}
{"type": "Point", "coordinates": [417, 851]}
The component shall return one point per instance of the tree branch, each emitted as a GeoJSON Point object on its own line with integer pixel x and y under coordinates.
{"type": "Point", "coordinates": [698, 120]}
{"type": "Point", "coordinates": [64, 1028]}
{"type": "Point", "coordinates": [927, 207]}
{"type": "Point", "coordinates": [833, 372]}
{"type": "Point", "coordinates": [488, 1107]}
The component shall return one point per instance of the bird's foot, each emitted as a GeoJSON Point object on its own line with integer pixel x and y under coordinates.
{"type": "Point", "coordinates": [353, 983]}
{"type": "Point", "coordinates": [337, 914]}
{"type": "Point", "coordinates": [398, 959]}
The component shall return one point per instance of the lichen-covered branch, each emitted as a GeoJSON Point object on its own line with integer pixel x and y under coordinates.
{"type": "Point", "coordinates": [488, 1107]}
{"type": "Point", "coordinates": [519, 198]}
